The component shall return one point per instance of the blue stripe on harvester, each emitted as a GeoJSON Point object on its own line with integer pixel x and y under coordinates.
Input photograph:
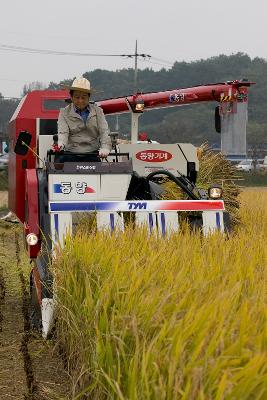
{"type": "Point", "coordinates": [163, 223]}
{"type": "Point", "coordinates": [56, 222]}
{"type": "Point", "coordinates": [88, 206]}
{"type": "Point", "coordinates": [150, 220]}
{"type": "Point", "coordinates": [112, 225]}
{"type": "Point", "coordinates": [218, 220]}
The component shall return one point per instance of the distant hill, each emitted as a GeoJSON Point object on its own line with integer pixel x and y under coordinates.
{"type": "Point", "coordinates": [192, 123]}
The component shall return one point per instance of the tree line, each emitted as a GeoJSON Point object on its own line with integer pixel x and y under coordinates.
{"type": "Point", "coordinates": [194, 123]}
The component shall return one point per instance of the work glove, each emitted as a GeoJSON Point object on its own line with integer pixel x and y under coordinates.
{"type": "Point", "coordinates": [103, 153]}
{"type": "Point", "coordinates": [56, 148]}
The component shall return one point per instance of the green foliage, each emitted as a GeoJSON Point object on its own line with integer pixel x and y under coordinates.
{"type": "Point", "coordinates": [195, 123]}
{"type": "Point", "coordinates": [191, 124]}
{"type": "Point", "coordinates": [7, 108]}
{"type": "Point", "coordinates": [258, 178]}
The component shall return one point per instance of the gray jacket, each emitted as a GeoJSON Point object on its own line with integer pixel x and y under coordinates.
{"type": "Point", "coordinates": [78, 137]}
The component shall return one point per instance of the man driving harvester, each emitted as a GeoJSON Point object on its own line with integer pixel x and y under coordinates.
{"type": "Point", "coordinates": [82, 127]}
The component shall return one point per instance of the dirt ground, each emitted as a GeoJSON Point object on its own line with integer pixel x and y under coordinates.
{"type": "Point", "coordinates": [30, 368]}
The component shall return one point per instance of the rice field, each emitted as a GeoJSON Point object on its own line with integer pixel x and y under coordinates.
{"type": "Point", "coordinates": [180, 318]}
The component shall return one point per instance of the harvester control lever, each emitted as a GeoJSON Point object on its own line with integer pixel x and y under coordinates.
{"type": "Point", "coordinates": [55, 148]}
{"type": "Point", "coordinates": [113, 136]}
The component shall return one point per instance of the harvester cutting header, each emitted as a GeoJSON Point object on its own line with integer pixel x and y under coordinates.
{"type": "Point", "coordinates": [45, 193]}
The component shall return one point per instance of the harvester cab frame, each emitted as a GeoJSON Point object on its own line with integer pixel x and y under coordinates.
{"type": "Point", "coordinates": [45, 194]}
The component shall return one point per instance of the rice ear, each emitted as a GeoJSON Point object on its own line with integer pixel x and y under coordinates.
{"type": "Point", "coordinates": [213, 168]}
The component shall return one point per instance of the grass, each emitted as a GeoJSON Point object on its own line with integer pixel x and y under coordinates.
{"type": "Point", "coordinates": [181, 318]}
{"type": "Point", "coordinates": [258, 178]}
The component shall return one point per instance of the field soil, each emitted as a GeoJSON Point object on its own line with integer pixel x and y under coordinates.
{"type": "Point", "coordinates": [30, 368]}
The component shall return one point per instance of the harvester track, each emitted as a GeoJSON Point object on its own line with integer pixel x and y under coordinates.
{"type": "Point", "coordinates": [2, 290]}
{"type": "Point", "coordinates": [30, 368]}
{"type": "Point", "coordinates": [2, 294]}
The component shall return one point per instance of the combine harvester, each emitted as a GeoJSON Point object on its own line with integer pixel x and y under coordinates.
{"type": "Point", "coordinates": [45, 194]}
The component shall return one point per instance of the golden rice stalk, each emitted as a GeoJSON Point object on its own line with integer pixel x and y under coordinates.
{"type": "Point", "coordinates": [145, 317]}
{"type": "Point", "coordinates": [214, 169]}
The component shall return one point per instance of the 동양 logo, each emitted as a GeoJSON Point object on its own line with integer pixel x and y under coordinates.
{"type": "Point", "coordinates": [69, 187]}
{"type": "Point", "coordinates": [153, 155]}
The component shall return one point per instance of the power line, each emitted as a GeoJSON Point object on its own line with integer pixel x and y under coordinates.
{"type": "Point", "coordinates": [137, 56]}
{"type": "Point", "coordinates": [162, 61]}
{"type": "Point", "coordinates": [21, 49]}
{"type": "Point", "coordinates": [151, 61]}
{"type": "Point", "coordinates": [156, 63]}
{"type": "Point", "coordinates": [29, 50]}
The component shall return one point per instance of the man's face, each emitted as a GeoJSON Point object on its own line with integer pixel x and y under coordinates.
{"type": "Point", "coordinates": [80, 99]}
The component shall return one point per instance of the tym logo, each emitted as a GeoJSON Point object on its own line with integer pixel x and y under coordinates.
{"type": "Point", "coordinates": [137, 206]}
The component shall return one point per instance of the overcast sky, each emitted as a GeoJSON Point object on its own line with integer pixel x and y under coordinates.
{"type": "Point", "coordinates": [170, 30]}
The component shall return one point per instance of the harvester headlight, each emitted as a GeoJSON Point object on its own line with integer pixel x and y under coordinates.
{"type": "Point", "coordinates": [139, 105]}
{"type": "Point", "coordinates": [215, 192]}
{"type": "Point", "coordinates": [31, 239]}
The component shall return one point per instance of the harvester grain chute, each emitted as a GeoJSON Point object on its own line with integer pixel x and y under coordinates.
{"type": "Point", "coordinates": [45, 194]}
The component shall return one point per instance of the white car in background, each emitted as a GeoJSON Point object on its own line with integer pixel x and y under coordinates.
{"type": "Point", "coordinates": [249, 165]}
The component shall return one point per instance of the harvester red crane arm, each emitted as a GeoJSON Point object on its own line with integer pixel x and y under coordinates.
{"type": "Point", "coordinates": [229, 91]}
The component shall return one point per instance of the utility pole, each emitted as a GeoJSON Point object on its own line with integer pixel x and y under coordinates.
{"type": "Point", "coordinates": [117, 126]}
{"type": "Point", "coordinates": [135, 67]}
{"type": "Point", "coordinates": [136, 55]}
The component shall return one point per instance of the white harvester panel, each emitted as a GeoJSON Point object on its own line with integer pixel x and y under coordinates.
{"type": "Point", "coordinates": [150, 157]}
{"type": "Point", "coordinates": [114, 187]}
{"type": "Point", "coordinates": [74, 187]}
{"type": "Point", "coordinates": [86, 187]}
{"type": "Point", "coordinates": [77, 187]}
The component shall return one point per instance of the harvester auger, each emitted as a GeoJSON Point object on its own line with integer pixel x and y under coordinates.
{"type": "Point", "coordinates": [44, 194]}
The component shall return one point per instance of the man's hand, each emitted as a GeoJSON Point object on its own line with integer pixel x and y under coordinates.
{"type": "Point", "coordinates": [56, 148]}
{"type": "Point", "coordinates": [103, 153]}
